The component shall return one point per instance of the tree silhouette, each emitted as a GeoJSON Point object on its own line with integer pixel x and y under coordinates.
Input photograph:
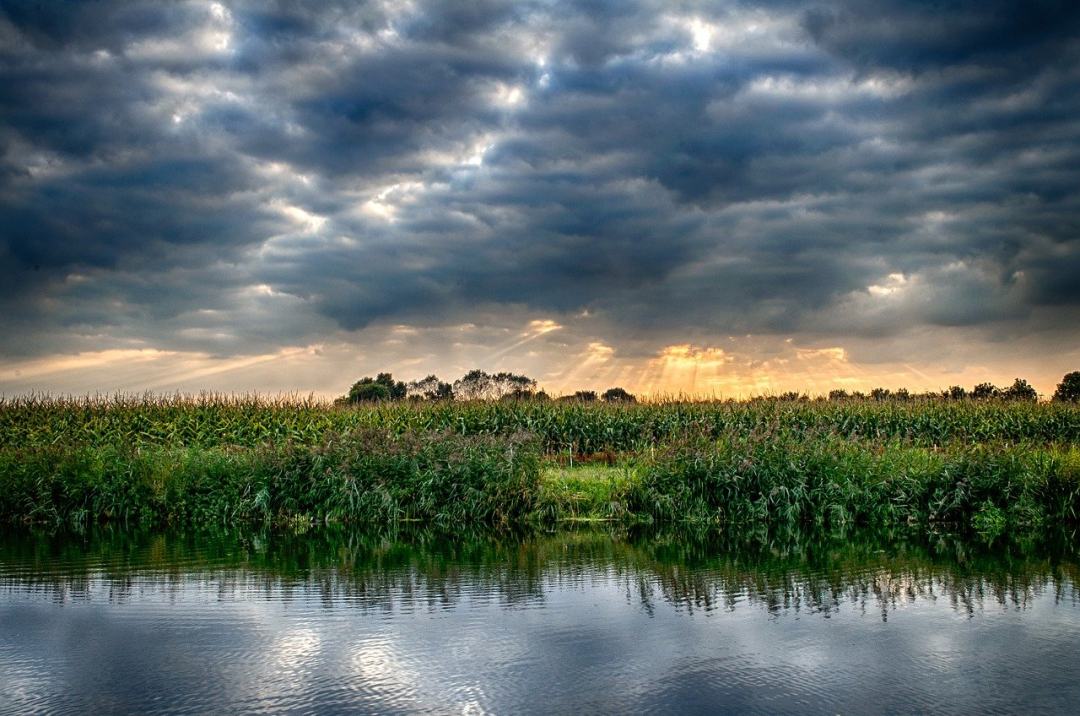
{"type": "Point", "coordinates": [1068, 390]}
{"type": "Point", "coordinates": [618, 395]}
{"type": "Point", "coordinates": [430, 388]}
{"type": "Point", "coordinates": [956, 392]}
{"type": "Point", "coordinates": [1020, 390]}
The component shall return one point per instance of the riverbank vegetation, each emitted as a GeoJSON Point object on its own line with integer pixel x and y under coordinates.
{"type": "Point", "coordinates": [988, 464]}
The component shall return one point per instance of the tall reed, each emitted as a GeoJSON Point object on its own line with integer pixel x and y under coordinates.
{"type": "Point", "coordinates": [827, 479]}
{"type": "Point", "coordinates": [360, 476]}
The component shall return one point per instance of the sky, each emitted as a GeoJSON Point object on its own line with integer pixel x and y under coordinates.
{"type": "Point", "coordinates": [709, 198]}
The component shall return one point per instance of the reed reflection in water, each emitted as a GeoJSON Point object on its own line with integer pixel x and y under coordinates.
{"type": "Point", "coordinates": [586, 619]}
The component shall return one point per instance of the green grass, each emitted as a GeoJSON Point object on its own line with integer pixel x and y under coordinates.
{"type": "Point", "coordinates": [584, 493]}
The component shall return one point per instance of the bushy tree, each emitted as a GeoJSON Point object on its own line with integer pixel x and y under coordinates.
{"type": "Point", "coordinates": [985, 391]}
{"type": "Point", "coordinates": [366, 390]}
{"type": "Point", "coordinates": [1020, 390]}
{"type": "Point", "coordinates": [955, 392]}
{"type": "Point", "coordinates": [1068, 390]}
{"type": "Point", "coordinates": [397, 388]}
{"type": "Point", "coordinates": [618, 395]}
{"type": "Point", "coordinates": [838, 394]}
{"type": "Point", "coordinates": [512, 383]}
{"type": "Point", "coordinates": [474, 385]}
{"type": "Point", "coordinates": [381, 387]}
{"type": "Point", "coordinates": [478, 385]}
{"type": "Point", "coordinates": [429, 388]}
{"type": "Point", "coordinates": [880, 394]}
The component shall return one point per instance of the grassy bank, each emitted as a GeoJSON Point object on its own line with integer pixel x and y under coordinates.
{"type": "Point", "coordinates": [449, 479]}
{"type": "Point", "coordinates": [825, 480]}
{"type": "Point", "coordinates": [991, 465]}
{"type": "Point", "coordinates": [363, 476]}
{"type": "Point", "coordinates": [831, 480]}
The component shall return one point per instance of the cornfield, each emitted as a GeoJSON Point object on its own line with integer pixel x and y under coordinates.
{"type": "Point", "coordinates": [577, 428]}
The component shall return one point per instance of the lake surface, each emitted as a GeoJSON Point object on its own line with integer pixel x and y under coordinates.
{"type": "Point", "coordinates": [581, 621]}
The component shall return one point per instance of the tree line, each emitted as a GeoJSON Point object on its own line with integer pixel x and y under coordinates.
{"type": "Point", "coordinates": [479, 385]}
{"type": "Point", "coordinates": [474, 385]}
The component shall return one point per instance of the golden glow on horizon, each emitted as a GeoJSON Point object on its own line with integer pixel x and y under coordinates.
{"type": "Point", "coordinates": [542, 348]}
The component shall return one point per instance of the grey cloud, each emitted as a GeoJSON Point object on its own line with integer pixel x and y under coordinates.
{"type": "Point", "coordinates": [760, 181]}
{"type": "Point", "coordinates": [926, 35]}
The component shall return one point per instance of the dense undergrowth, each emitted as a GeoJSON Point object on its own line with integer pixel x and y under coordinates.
{"type": "Point", "coordinates": [362, 476]}
{"type": "Point", "coordinates": [992, 466]}
{"type": "Point", "coordinates": [830, 480]}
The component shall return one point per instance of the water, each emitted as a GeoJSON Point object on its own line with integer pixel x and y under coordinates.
{"type": "Point", "coordinates": [586, 621]}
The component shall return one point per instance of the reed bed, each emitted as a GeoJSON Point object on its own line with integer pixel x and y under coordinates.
{"type": "Point", "coordinates": [831, 481]}
{"type": "Point", "coordinates": [361, 476]}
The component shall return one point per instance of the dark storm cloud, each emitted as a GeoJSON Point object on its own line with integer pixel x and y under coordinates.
{"type": "Point", "coordinates": [928, 35]}
{"type": "Point", "coordinates": [238, 176]}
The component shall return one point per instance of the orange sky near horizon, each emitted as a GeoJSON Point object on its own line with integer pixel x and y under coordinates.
{"type": "Point", "coordinates": [733, 368]}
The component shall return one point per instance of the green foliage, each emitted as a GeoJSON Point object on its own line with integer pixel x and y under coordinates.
{"type": "Point", "coordinates": [990, 519]}
{"type": "Point", "coordinates": [397, 388]}
{"type": "Point", "coordinates": [1068, 390]}
{"type": "Point", "coordinates": [372, 390]}
{"type": "Point", "coordinates": [220, 460]}
{"type": "Point", "coordinates": [361, 476]}
{"type": "Point", "coordinates": [368, 391]}
{"type": "Point", "coordinates": [779, 477]}
{"type": "Point", "coordinates": [591, 492]}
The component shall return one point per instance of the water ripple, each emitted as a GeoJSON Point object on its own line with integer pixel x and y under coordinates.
{"type": "Point", "coordinates": [575, 622]}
